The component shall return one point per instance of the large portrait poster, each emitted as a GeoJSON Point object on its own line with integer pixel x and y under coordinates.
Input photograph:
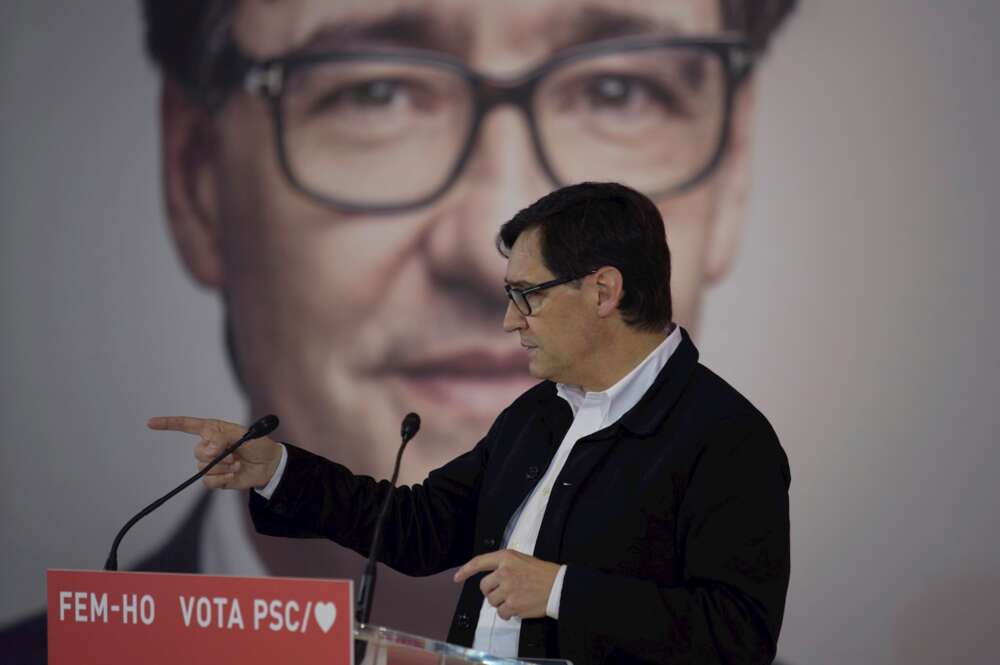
{"type": "Point", "coordinates": [226, 209]}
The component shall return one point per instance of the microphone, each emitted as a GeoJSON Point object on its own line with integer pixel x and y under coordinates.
{"type": "Point", "coordinates": [363, 611]}
{"type": "Point", "coordinates": [262, 427]}
{"type": "Point", "coordinates": [410, 427]}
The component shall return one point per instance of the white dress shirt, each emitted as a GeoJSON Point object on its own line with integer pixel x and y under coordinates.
{"type": "Point", "coordinates": [225, 547]}
{"type": "Point", "coordinates": [591, 412]}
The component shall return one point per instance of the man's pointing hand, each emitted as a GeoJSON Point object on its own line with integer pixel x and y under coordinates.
{"type": "Point", "coordinates": [252, 465]}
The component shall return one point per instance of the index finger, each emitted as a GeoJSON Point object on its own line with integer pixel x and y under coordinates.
{"type": "Point", "coordinates": [186, 424]}
{"type": "Point", "coordinates": [478, 564]}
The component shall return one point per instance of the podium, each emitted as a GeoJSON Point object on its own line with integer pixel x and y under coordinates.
{"type": "Point", "coordinates": [392, 647]}
{"type": "Point", "coordinates": [112, 618]}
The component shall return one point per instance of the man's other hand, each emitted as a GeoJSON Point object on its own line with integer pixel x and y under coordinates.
{"type": "Point", "coordinates": [519, 585]}
{"type": "Point", "coordinates": [251, 466]}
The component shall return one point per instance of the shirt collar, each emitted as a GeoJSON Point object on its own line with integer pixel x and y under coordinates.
{"type": "Point", "coordinates": [226, 548]}
{"type": "Point", "coordinates": [626, 393]}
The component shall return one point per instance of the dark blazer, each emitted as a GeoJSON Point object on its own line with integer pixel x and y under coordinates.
{"type": "Point", "coordinates": [673, 522]}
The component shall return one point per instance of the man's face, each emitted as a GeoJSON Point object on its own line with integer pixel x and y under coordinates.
{"type": "Point", "coordinates": [556, 334]}
{"type": "Point", "coordinates": [341, 322]}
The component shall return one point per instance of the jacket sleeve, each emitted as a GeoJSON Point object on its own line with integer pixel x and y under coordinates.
{"type": "Point", "coordinates": [733, 537]}
{"type": "Point", "coordinates": [429, 526]}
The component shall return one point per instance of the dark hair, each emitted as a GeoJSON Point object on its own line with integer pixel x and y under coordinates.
{"type": "Point", "coordinates": [189, 40]}
{"type": "Point", "coordinates": [756, 20]}
{"type": "Point", "coordinates": [595, 224]}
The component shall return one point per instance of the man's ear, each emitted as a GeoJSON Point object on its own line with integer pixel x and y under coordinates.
{"type": "Point", "coordinates": [189, 187]}
{"type": "Point", "coordinates": [732, 188]}
{"type": "Point", "coordinates": [609, 286]}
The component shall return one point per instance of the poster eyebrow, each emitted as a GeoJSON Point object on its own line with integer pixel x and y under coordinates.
{"type": "Point", "coordinates": [402, 28]}
{"type": "Point", "coordinates": [598, 23]}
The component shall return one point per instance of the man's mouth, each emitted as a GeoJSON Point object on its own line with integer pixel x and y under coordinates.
{"type": "Point", "coordinates": [477, 380]}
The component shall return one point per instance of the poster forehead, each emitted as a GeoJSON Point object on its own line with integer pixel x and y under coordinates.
{"type": "Point", "coordinates": [266, 30]}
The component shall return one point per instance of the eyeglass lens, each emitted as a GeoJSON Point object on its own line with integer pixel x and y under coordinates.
{"type": "Point", "coordinates": [520, 302]}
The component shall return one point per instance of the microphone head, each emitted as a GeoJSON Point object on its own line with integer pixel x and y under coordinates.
{"type": "Point", "coordinates": [410, 426]}
{"type": "Point", "coordinates": [263, 427]}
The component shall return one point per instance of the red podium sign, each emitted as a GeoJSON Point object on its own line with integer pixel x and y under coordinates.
{"type": "Point", "coordinates": [165, 619]}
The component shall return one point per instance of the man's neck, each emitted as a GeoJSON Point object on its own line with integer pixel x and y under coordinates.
{"type": "Point", "coordinates": [623, 353]}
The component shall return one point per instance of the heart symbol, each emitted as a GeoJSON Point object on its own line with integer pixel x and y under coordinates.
{"type": "Point", "coordinates": [326, 614]}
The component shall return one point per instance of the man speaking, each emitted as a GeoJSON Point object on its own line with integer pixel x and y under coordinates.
{"type": "Point", "coordinates": [630, 507]}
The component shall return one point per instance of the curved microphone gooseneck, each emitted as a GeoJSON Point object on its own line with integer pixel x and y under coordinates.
{"type": "Point", "coordinates": [261, 427]}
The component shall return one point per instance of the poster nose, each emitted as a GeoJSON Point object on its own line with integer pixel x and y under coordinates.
{"type": "Point", "coordinates": [502, 177]}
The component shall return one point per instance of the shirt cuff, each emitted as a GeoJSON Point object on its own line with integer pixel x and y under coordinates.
{"type": "Point", "coordinates": [272, 484]}
{"type": "Point", "coordinates": [552, 608]}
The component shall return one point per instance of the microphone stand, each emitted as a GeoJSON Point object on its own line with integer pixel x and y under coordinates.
{"type": "Point", "coordinates": [366, 593]}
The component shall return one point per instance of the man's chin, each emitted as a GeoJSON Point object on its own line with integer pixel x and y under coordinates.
{"type": "Point", "coordinates": [536, 368]}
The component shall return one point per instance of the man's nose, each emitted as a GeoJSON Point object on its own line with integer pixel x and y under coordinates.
{"type": "Point", "coordinates": [501, 177]}
{"type": "Point", "coordinates": [513, 320]}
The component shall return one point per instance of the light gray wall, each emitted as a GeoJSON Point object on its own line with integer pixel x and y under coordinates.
{"type": "Point", "coordinates": [860, 317]}
{"type": "Point", "coordinates": [863, 317]}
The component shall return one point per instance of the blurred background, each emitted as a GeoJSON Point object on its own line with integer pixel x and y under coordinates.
{"type": "Point", "coordinates": [860, 316]}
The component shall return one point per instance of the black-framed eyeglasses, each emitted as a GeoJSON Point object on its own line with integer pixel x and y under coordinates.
{"type": "Point", "coordinates": [387, 131]}
{"type": "Point", "coordinates": [519, 296]}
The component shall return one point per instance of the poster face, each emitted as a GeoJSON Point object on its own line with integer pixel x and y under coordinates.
{"type": "Point", "coordinates": [338, 172]}
{"type": "Point", "coordinates": [203, 232]}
